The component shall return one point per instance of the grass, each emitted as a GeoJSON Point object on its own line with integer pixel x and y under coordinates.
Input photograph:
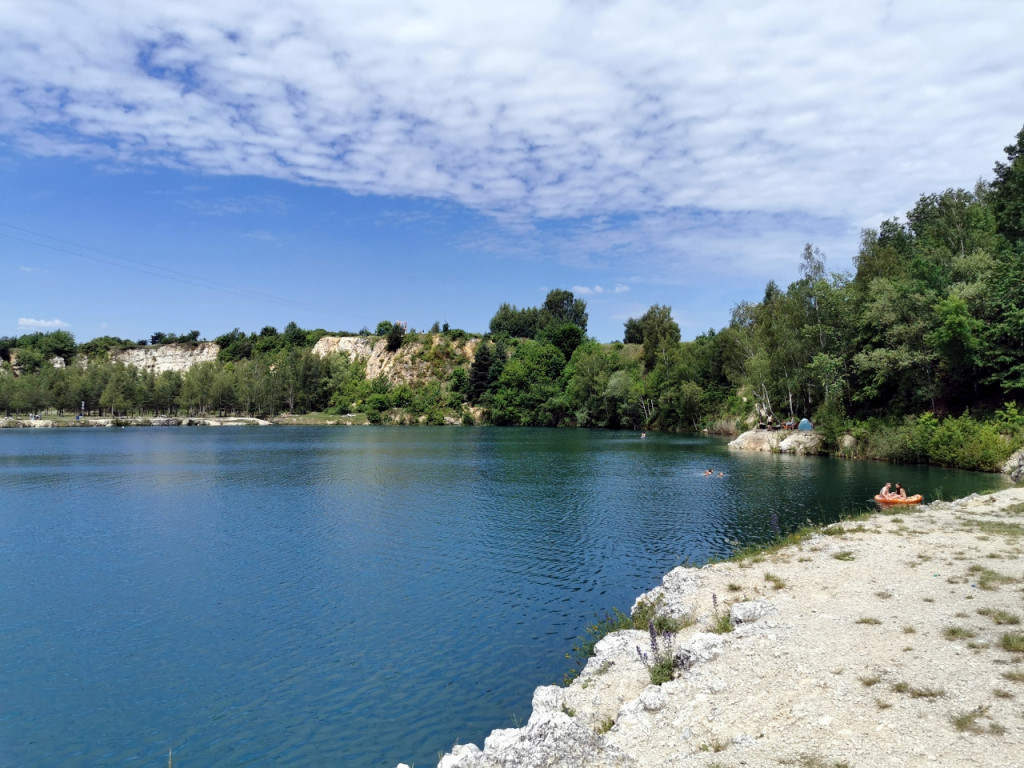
{"type": "Point", "coordinates": [845, 555]}
{"type": "Point", "coordinates": [814, 761]}
{"type": "Point", "coordinates": [867, 620]}
{"type": "Point", "coordinates": [721, 624]}
{"type": "Point", "coordinates": [775, 581]}
{"type": "Point", "coordinates": [646, 611]}
{"type": "Point", "coordinates": [867, 682]}
{"type": "Point", "coordinates": [969, 722]}
{"type": "Point", "coordinates": [909, 630]}
{"type": "Point", "coordinates": [733, 587]}
{"type": "Point", "coordinates": [1014, 675]}
{"type": "Point", "coordinates": [606, 725]}
{"type": "Point", "coordinates": [714, 746]}
{"type": "Point", "coordinates": [1002, 693]}
{"type": "Point", "coordinates": [989, 579]}
{"type": "Point", "coordinates": [958, 633]}
{"type": "Point", "coordinates": [584, 647]}
{"type": "Point", "coordinates": [917, 693]}
{"type": "Point", "coordinates": [1012, 641]}
{"type": "Point", "coordinates": [999, 616]}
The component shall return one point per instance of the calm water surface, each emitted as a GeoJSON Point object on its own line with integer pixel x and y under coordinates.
{"type": "Point", "coordinates": [352, 597]}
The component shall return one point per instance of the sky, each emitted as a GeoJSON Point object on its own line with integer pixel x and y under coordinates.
{"type": "Point", "coordinates": [191, 165]}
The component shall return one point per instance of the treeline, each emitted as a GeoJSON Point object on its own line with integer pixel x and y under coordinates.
{"type": "Point", "coordinates": [927, 328]}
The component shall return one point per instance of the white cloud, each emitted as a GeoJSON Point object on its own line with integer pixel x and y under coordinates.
{"type": "Point", "coordinates": [597, 290]}
{"type": "Point", "coordinates": [26, 323]}
{"type": "Point", "coordinates": [30, 270]}
{"type": "Point", "coordinates": [538, 111]}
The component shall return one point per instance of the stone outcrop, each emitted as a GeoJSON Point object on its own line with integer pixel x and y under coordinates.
{"type": "Point", "coordinates": [1014, 466]}
{"type": "Point", "coordinates": [408, 364]}
{"type": "Point", "coordinates": [167, 357]}
{"type": "Point", "coordinates": [779, 441]}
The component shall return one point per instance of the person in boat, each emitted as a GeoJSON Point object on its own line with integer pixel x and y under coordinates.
{"type": "Point", "coordinates": [885, 493]}
{"type": "Point", "coordinates": [900, 491]}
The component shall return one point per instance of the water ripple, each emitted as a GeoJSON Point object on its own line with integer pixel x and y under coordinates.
{"type": "Point", "coordinates": [358, 597]}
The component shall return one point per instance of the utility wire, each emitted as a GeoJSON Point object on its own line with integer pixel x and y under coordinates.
{"type": "Point", "coordinates": [165, 273]}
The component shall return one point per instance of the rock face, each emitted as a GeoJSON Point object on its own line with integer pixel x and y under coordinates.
{"type": "Point", "coordinates": [167, 357]}
{"type": "Point", "coordinates": [1014, 466]}
{"type": "Point", "coordinates": [778, 441]}
{"type": "Point", "coordinates": [406, 365]}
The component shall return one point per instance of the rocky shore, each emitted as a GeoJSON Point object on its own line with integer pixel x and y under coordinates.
{"type": "Point", "coordinates": [156, 421]}
{"type": "Point", "coordinates": [894, 640]}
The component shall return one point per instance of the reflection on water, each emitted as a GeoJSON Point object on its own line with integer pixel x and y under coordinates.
{"type": "Point", "coordinates": [312, 596]}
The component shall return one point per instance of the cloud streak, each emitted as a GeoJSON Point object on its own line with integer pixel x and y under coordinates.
{"type": "Point", "coordinates": [27, 323]}
{"type": "Point", "coordinates": [541, 111]}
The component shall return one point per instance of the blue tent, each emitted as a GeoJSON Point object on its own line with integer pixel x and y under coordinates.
{"type": "Point", "coordinates": [805, 425]}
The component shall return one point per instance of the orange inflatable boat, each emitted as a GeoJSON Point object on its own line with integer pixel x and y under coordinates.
{"type": "Point", "coordinates": [916, 499]}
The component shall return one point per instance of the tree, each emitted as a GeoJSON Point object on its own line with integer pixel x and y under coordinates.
{"type": "Point", "coordinates": [660, 334]}
{"type": "Point", "coordinates": [1007, 197]}
{"type": "Point", "coordinates": [517, 323]}
{"type": "Point", "coordinates": [395, 336]}
{"type": "Point", "coordinates": [634, 331]}
{"type": "Point", "coordinates": [561, 306]}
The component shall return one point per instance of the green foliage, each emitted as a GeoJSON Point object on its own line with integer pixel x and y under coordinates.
{"type": "Point", "coordinates": [395, 336]}
{"type": "Point", "coordinates": [592, 635]}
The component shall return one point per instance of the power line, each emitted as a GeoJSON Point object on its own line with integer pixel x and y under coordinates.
{"type": "Point", "coordinates": [146, 268]}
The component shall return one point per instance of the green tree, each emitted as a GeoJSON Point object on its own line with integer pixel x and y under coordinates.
{"type": "Point", "coordinates": [1007, 197]}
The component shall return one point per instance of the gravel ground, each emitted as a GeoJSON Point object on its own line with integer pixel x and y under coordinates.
{"type": "Point", "coordinates": [895, 640]}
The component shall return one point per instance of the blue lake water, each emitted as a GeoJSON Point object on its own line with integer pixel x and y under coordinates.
{"type": "Point", "coordinates": [347, 596]}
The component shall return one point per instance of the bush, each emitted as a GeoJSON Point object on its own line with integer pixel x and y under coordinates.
{"type": "Point", "coordinates": [968, 444]}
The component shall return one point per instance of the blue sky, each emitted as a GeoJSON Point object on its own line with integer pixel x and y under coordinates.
{"type": "Point", "coordinates": [196, 165]}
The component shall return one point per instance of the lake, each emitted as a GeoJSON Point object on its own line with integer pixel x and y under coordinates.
{"type": "Point", "coordinates": [312, 596]}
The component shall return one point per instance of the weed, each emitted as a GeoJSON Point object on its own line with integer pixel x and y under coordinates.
{"type": "Point", "coordinates": [867, 620]}
{"type": "Point", "coordinates": [989, 579]}
{"type": "Point", "coordinates": [733, 587]}
{"type": "Point", "coordinates": [969, 722]}
{"type": "Point", "coordinates": [774, 580]}
{"type": "Point", "coordinates": [845, 555]}
{"type": "Point", "coordinates": [958, 633]}
{"type": "Point", "coordinates": [909, 630]}
{"type": "Point", "coordinates": [721, 624]}
{"type": "Point", "coordinates": [647, 611]}
{"type": "Point", "coordinates": [917, 693]}
{"type": "Point", "coordinates": [867, 682]}
{"type": "Point", "coordinates": [999, 616]}
{"type": "Point", "coordinates": [1001, 693]}
{"type": "Point", "coordinates": [714, 746]}
{"type": "Point", "coordinates": [1014, 676]}
{"type": "Point", "coordinates": [584, 648]}
{"type": "Point", "coordinates": [883, 594]}
{"type": "Point", "coordinates": [606, 725]}
{"type": "Point", "coordinates": [568, 710]}
{"type": "Point", "coordinates": [1012, 641]}
{"type": "Point", "coordinates": [814, 761]}
{"type": "Point", "coordinates": [661, 667]}
{"type": "Point", "coordinates": [882, 704]}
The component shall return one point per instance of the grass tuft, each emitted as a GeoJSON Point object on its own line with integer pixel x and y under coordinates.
{"type": "Point", "coordinates": [846, 555]}
{"type": "Point", "coordinates": [775, 581]}
{"type": "Point", "coordinates": [1012, 641]}
{"type": "Point", "coordinates": [958, 633]}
